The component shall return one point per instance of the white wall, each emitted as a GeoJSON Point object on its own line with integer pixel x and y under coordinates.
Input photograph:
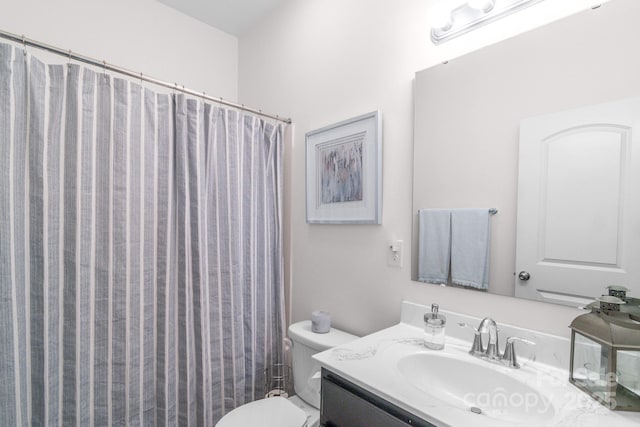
{"type": "Point", "coordinates": [322, 61]}
{"type": "Point", "coordinates": [141, 35]}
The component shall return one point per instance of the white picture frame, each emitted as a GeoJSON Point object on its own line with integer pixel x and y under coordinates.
{"type": "Point", "coordinates": [344, 172]}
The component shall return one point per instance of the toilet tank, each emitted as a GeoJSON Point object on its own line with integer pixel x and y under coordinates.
{"type": "Point", "coordinates": [305, 344]}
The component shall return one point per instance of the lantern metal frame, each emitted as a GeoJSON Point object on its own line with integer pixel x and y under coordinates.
{"type": "Point", "coordinates": [614, 331]}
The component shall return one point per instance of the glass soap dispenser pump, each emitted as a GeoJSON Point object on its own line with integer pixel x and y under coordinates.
{"type": "Point", "coordinates": [434, 329]}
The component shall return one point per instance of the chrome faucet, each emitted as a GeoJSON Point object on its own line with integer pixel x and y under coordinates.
{"type": "Point", "coordinates": [488, 325]}
{"type": "Point", "coordinates": [492, 352]}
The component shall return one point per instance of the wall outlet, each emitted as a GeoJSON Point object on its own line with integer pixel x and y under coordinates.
{"type": "Point", "coordinates": [394, 255]}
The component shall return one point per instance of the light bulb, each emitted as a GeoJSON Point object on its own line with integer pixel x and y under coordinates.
{"type": "Point", "coordinates": [483, 5]}
{"type": "Point", "coordinates": [440, 16]}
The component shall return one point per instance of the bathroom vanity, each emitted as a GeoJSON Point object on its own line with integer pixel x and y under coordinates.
{"type": "Point", "coordinates": [389, 378]}
{"type": "Point", "coordinates": [345, 404]}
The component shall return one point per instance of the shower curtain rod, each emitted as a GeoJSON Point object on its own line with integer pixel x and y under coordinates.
{"type": "Point", "coordinates": [139, 76]}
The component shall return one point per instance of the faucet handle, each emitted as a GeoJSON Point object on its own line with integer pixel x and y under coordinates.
{"type": "Point", "coordinates": [526, 341]}
{"type": "Point", "coordinates": [466, 325]}
{"type": "Point", "coordinates": [477, 349]}
{"type": "Point", "coordinates": [509, 355]}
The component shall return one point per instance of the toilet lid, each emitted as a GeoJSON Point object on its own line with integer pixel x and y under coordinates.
{"type": "Point", "coordinates": [271, 412]}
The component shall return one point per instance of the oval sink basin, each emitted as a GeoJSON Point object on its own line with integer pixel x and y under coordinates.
{"type": "Point", "coordinates": [474, 387]}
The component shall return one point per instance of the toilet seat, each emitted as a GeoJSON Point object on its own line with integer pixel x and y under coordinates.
{"type": "Point", "coordinates": [271, 412]}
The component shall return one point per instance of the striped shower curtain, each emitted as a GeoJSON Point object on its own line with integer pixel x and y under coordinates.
{"type": "Point", "coordinates": [140, 251]}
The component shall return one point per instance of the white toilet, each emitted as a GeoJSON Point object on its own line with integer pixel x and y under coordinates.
{"type": "Point", "coordinates": [303, 409]}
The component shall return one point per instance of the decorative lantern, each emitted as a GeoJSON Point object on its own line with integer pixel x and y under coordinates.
{"type": "Point", "coordinates": [605, 354]}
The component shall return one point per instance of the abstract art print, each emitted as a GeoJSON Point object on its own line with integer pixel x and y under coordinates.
{"type": "Point", "coordinates": [341, 170]}
{"type": "Point", "coordinates": [344, 172]}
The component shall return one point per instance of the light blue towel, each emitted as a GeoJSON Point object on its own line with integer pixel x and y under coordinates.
{"type": "Point", "coordinates": [470, 243]}
{"type": "Point", "coordinates": [434, 245]}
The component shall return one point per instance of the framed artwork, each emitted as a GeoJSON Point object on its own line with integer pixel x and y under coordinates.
{"type": "Point", "coordinates": [344, 172]}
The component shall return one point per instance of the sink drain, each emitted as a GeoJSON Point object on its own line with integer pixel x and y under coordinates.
{"type": "Point", "coordinates": [475, 410]}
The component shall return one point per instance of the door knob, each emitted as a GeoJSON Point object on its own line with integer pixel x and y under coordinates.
{"type": "Point", "coordinates": [523, 275]}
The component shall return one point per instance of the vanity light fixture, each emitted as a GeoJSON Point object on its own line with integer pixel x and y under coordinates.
{"type": "Point", "coordinates": [471, 15]}
{"type": "Point", "coordinates": [483, 5]}
{"type": "Point", "coordinates": [440, 16]}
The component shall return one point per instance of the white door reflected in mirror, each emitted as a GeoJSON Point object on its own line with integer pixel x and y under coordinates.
{"type": "Point", "coordinates": [576, 204]}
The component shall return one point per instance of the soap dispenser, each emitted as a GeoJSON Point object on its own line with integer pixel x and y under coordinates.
{"type": "Point", "coordinates": [434, 329]}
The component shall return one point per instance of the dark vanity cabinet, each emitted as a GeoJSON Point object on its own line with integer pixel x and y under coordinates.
{"type": "Point", "coordinates": [345, 404]}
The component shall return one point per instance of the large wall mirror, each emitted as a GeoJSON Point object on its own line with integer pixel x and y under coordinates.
{"type": "Point", "coordinates": [467, 131]}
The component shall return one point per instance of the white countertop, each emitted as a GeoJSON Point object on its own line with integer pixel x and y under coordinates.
{"type": "Point", "coordinates": [371, 363]}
